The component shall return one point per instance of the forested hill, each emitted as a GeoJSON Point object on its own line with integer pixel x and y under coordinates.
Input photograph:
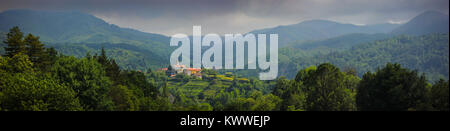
{"type": "Point", "coordinates": [311, 42]}
{"type": "Point", "coordinates": [72, 27]}
{"type": "Point", "coordinates": [76, 33]}
{"type": "Point", "coordinates": [35, 78]}
{"type": "Point", "coordinates": [421, 43]}
{"type": "Point", "coordinates": [425, 23]}
{"type": "Point", "coordinates": [427, 54]}
{"type": "Point", "coordinates": [321, 29]}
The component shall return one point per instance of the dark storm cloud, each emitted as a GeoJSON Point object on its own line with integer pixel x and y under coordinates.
{"type": "Point", "coordinates": [234, 16]}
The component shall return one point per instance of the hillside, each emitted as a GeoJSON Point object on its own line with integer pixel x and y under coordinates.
{"type": "Point", "coordinates": [40, 80]}
{"type": "Point", "coordinates": [76, 33]}
{"type": "Point", "coordinates": [425, 23]}
{"type": "Point", "coordinates": [340, 42]}
{"type": "Point", "coordinates": [319, 30]}
{"type": "Point", "coordinates": [301, 45]}
{"type": "Point", "coordinates": [427, 54]}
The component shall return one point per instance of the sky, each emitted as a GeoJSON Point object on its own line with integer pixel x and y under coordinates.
{"type": "Point", "coordinates": [170, 17]}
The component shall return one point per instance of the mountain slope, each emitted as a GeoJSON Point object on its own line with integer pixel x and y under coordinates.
{"type": "Point", "coordinates": [71, 32]}
{"type": "Point", "coordinates": [341, 42]}
{"type": "Point", "coordinates": [427, 54]}
{"type": "Point", "coordinates": [320, 29]}
{"type": "Point", "coordinates": [425, 23]}
{"type": "Point", "coordinates": [74, 27]}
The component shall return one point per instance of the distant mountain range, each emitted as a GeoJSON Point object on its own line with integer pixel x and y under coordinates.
{"type": "Point", "coordinates": [427, 54]}
{"type": "Point", "coordinates": [425, 23]}
{"type": "Point", "coordinates": [72, 27]}
{"type": "Point", "coordinates": [341, 42]}
{"type": "Point", "coordinates": [312, 30]}
{"type": "Point", "coordinates": [368, 51]}
{"type": "Point", "coordinates": [76, 33]}
{"type": "Point", "coordinates": [321, 29]}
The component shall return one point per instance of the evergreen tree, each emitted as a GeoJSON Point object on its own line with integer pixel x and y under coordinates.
{"type": "Point", "coordinates": [14, 42]}
{"type": "Point", "coordinates": [49, 58]}
{"type": "Point", "coordinates": [110, 66]}
{"type": "Point", "coordinates": [113, 71]}
{"type": "Point", "coordinates": [35, 49]}
{"type": "Point", "coordinates": [103, 59]}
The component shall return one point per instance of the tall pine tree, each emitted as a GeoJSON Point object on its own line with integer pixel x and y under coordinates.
{"type": "Point", "coordinates": [110, 65]}
{"type": "Point", "coordinates": [113, 71]}
{"type": "Point", "coordinates": [103, 59]}
{"type": "Point", "coordinates": [35, 49]}
{"type": "Point", "coordinates": [14, 42]}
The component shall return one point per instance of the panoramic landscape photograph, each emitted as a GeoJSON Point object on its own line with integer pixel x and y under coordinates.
{"type": "Point", "coordinates": [224, 55]}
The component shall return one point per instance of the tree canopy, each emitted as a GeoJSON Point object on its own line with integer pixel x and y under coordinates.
{"type": "Point", "coordinates": [37, 78]}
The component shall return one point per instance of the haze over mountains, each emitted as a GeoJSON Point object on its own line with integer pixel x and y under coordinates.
{"type": "Point", "coordinates": [321, 29]}
{"type": "Point", "coordinates": [76, 33]}
{"type": "Point", "coordinates": [425, 23]}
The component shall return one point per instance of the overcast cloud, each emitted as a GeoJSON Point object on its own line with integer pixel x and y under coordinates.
{"type": "Point", "coordinates": [234, 16]}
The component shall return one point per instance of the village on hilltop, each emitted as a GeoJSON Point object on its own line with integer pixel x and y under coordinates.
{"type": "Point", "coordinates": [179, 69]}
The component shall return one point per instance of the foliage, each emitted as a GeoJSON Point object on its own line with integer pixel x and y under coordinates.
{"type": "Point", "coordinates": [50, 81]}
{"type": "Point", "coordinates": [439, 95]}
{"type": "Point", "coordinates": [392, 88]}
{"type": "Point", "coordinates": [123, 98]}
{"type": "Point", "coordinates": [23, 89]}
{"type": "Point", "coordinates": [428, 54]}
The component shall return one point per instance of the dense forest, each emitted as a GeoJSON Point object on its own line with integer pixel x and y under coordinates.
{"type": "Point", "coordinates": [427, 54]}
{"type": "Point", "coordinates": [37, 78]}
{"type": "Point", "coordinates": [419, 44]}
{"type": "Point", "coordinates": [75, 33]}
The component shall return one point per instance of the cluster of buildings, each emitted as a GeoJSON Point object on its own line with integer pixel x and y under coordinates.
{"type": "Point", "coordinates": [179, 69]}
